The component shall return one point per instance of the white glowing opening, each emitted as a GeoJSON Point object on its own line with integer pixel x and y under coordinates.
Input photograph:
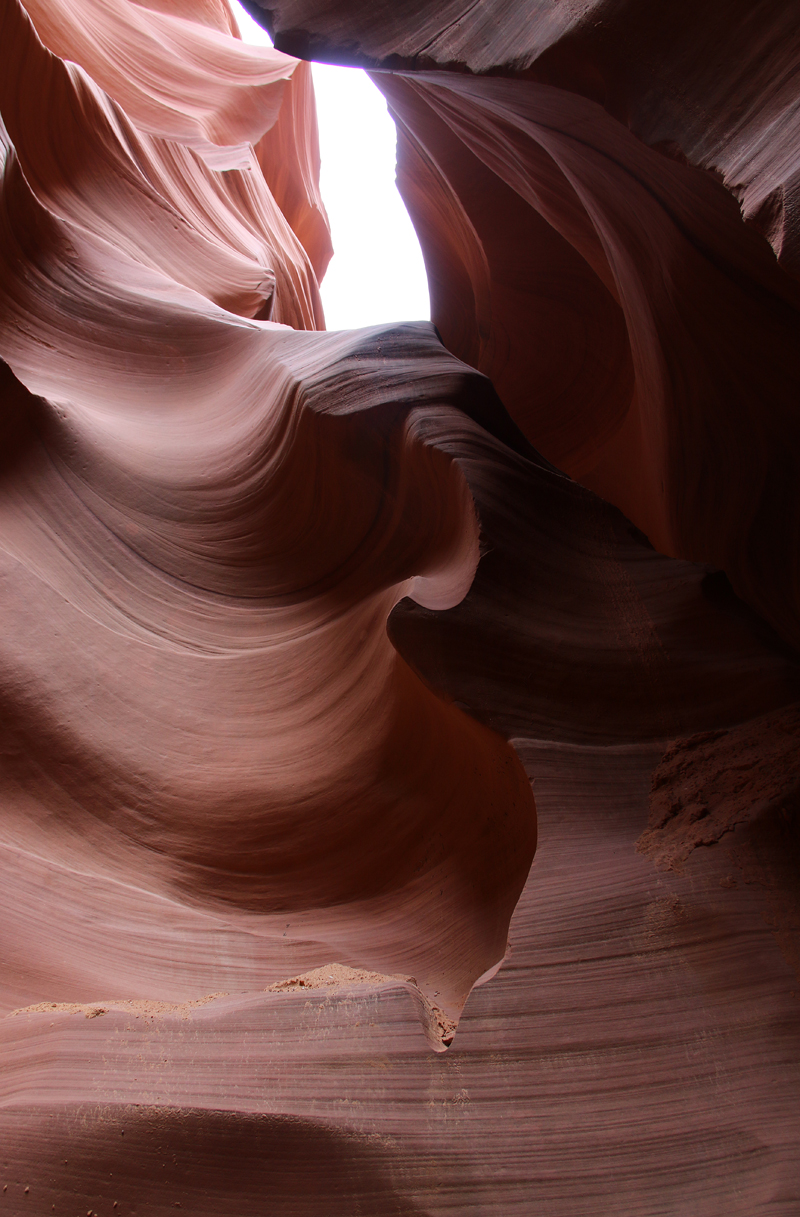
{"type": "Point", "coordinates": [377, 273]}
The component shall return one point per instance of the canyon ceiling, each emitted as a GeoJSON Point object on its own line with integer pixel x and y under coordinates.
{"type": "Point", "coordinates": [400, 765]}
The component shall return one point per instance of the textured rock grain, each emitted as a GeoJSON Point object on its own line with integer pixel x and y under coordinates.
{"type": "Point", "coordinates": [294, 622]}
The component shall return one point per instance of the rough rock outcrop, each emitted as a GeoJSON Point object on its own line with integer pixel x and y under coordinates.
{"type": "Point", "coordinates": [293, 620]}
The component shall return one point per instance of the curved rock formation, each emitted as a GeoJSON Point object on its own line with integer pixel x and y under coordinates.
{"type": "Point", "coordinates": [665, 361]}
{"type": "Point", "coordinates": [292, 620]}
{"type": "Point", "coordinates": [220, 516]}
{"type": "Point", "coordinates": [571, 176]}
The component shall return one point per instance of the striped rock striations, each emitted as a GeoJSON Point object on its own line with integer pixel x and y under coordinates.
{"type": "Point", "coordinates": [295, 623]}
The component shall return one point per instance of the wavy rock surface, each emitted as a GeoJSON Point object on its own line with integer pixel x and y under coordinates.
{"type": "Point", "coordinates": [585, 253]}
{"type": "Point", "coordinates": [294, 620]}
{"type": "Point", "coordinates": [220, 517]}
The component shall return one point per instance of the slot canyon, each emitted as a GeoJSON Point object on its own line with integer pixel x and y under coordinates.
{"type": "Point", "coordinates": [400, 754]}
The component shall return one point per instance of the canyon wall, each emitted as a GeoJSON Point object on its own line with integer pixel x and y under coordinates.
{"type": "Point", "coordinates": [309, 637]}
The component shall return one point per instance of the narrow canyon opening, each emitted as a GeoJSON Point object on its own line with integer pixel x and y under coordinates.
{"type": "Point", "coordinates": [377, 273]}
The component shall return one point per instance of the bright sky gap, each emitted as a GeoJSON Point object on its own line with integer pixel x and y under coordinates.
{"type": "Point", "coordinates": [377, 273]}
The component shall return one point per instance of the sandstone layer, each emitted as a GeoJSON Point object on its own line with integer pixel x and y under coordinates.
{"type": "Point", "coordinates": [296, 623]}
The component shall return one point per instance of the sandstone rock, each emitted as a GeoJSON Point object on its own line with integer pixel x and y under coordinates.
{"type": "Point", "coordinates": [294, 621]}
